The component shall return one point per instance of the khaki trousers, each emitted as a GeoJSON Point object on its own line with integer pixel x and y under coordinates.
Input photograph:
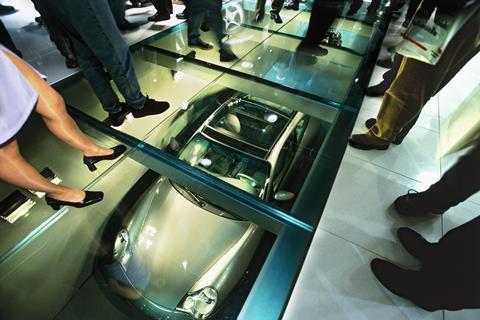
{"type": "Point", "coordinates": [417, 82]}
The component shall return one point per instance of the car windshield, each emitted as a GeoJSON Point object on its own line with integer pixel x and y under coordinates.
{"type": "Point", "coordinates": [251, 123]}
{"type": "Point", "coordinates": [234, 167]}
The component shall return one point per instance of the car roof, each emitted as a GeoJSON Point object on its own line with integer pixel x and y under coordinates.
{"type": "Point", "coordinates": [248, 125]}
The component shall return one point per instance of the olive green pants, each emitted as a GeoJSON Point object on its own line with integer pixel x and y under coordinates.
{"type": "Point", "coordinates": [417, 82]}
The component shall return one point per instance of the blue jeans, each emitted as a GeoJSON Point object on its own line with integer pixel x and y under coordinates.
{"type": "Point", "coordinates": [99, 46]}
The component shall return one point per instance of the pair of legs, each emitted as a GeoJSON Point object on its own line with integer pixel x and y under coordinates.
{"type": "Point", "coordinates": [58, 35]}
{"type": "Point", "coordinates": [276, 7]}
{"type": "Point", "coordinates": [15, 170]}
{"type": "Point", "coordinates": [448, 276]}
{"type": "Point", "coordinates": [324, 13]}
{"type": "Point", "coordinates": [199, 11]}
{"type": "Point", "coordinates": [413, 86]}
{"type": "Point", "coordinates": [99, 45]}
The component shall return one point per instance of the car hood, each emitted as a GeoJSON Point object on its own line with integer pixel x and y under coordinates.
{"type": "Point", "coordinates": [173, 243]}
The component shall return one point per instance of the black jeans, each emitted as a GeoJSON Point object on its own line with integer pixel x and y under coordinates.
{"type": "Point", "coordinates": [459, 183]}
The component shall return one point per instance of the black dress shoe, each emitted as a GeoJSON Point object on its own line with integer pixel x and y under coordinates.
{"type": "Point", "coordinates": [159, 17]}
{"type": "Point", "coordinates": [90, 161]}
{"type": "Point", "coordinates": [376, 90]}
{"type": "Point", "coordinates": [368, 142]}
{"type": "Point", "coordinates": [151, 107]}
{"type": "Point", "coordinates": [199, 43]}
{"type": "Point", "coordinates": [416, 204]}
{"type": "Point", "coordinates": [369, 123]}
{"type": "Point", "coordinates": [385, 63]}
{"type": "Point", "coordinates": [275, 16]}
{"type": "Point", "coordinates": [415, 244]}
{"type": "Point", "coordinates": [91, 197]}
{"type": "Point", "coordinates": [407, 284]}
{"type": "Point", "coordinates": [6, 9]}
{"type": "Point", "coordinates": [227, 56]}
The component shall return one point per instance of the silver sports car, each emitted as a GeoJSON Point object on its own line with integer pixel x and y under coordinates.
{"type": "Point", "coordinates": [178, 256]}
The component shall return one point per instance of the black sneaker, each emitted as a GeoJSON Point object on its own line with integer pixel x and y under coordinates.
{"type": "Point", "coordinates": [199, 43]}
{"type": "Point", "coordinates": [227, 56]}
{"type": "Point", "coordinates": [116, 119]}
{"type": "Point", "coordinates": [151, 107]}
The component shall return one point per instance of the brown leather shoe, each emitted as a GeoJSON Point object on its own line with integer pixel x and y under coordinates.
{"type": "Point", "coordinates": [369, 123]}
{"type": "Point", "coordinates": [368, 142]}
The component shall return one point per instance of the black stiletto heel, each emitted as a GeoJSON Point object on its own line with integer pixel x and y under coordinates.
{"type": "Point", "coordinates": [91, 197]}
{"type": "Point", "coordinates": [90, 161]}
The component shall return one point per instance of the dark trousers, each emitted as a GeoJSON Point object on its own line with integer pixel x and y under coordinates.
{"type": "Point", "coordinates": [323, 14]}
{"type": "Point", "coordinates": [199, 11]}
{"type": "Point", "coordinates": [459, 183]}
{"type": "Point", "coordinates": [276, 5]}
{"type": "Point", "coordinates": [98, 45]}
{"type": "Point", "coordinates": [449, 278]}
{"type": "Point", "coordinates": [163, 6]}
{"type": "Point", "coordinates": [57, 32]}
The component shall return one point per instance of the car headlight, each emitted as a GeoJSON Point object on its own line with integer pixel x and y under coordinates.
{"type": "Point", "coordinates": [201, 303]}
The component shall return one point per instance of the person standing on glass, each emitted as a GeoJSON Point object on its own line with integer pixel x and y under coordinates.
{"type": "Point", "coordinates": [211, 10]}
{"type": "Point", "coordinates": [99, 46]}
{"type": "Point", "coordinates": [22, 91]}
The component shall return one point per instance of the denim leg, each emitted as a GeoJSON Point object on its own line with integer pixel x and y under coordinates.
{"type": "Point", "coordinates": [195, 16]}
{"type": "Point", "coordinates": [94, 22]}
{"type": "Point", "coordinates": [95, 74]}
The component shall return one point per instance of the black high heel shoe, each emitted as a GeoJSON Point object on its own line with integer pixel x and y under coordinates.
{"type": "Point", "coordinates": [275, 16]}
{"type": "Point", "coordinates": [91, 197]}
{"type": "Point", "coordinates": [90, 161]}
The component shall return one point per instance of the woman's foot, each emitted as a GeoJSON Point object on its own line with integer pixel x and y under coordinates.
{"type": "Point", "coordinates": [104, 154]}
{"type": "Point", "coordinates": [73, 198]}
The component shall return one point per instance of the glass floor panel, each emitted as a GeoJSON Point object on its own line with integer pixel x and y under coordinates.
{"type": "Point", "coordinates": [330, 77]}
{"type": "Point", "coordinates": [356, 35]}
{"type": "Point", "coordinates": [242, 41]}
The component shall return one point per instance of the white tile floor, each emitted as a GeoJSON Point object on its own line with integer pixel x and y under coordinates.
{"type": "Point", "coordinates": [358, 223]}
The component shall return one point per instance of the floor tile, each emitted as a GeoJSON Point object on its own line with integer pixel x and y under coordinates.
{"type": "Point", "coordinates": [359, 209]}
{"type": "Point", "coordinates": [414, 158]}
{"type": "Point", "coordinates": [336, 283]}
{"type": "Point", "coordinates": [462, 315]}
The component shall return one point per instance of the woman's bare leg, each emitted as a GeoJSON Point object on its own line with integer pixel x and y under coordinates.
{"type": "Point", "coordinates": [51, 107]}
{"type": "Point", "coordinates": [15, 170]}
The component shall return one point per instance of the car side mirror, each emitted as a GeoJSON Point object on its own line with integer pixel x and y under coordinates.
{"type": "Point", "coordinates": [284, 195]}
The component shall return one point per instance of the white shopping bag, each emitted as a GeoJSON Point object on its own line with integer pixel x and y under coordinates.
{"type": "Point", "coordinates": [427, 38]}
